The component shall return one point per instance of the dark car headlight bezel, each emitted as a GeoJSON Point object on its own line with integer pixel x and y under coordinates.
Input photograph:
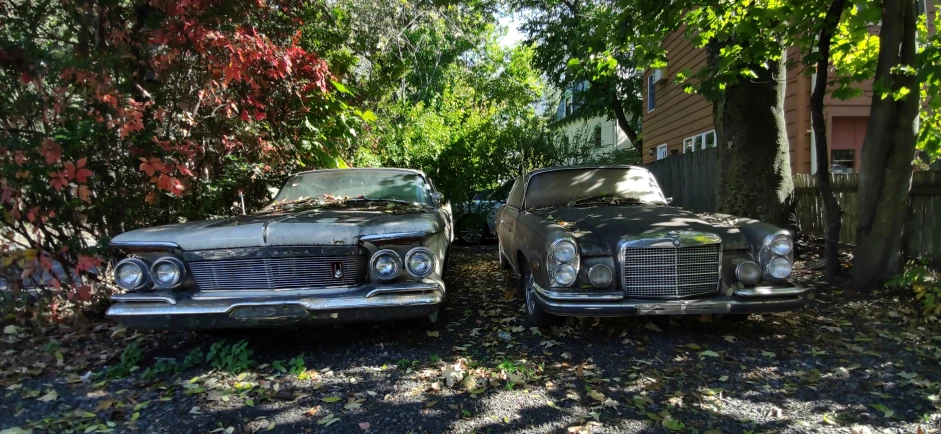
{"type": "Point", "coordinates": [140, 284]}
{"type": "Point", "coordinates": [553, 263]}
{"type": "Point", "coordinates": [181, 273]}
{"type": "Point", "coordinates": [766, 254]}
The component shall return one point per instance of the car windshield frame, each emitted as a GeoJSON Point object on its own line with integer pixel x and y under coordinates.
{"type": "Point", "coordinates": [587, 181]}
{"type": "Point", "coordinates": [356, 184]}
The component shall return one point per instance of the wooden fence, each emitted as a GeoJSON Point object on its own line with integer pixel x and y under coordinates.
{"type": "Point", "coordinates": [922, 227]}
{"type": "Point", "coordinates": [689, 179]}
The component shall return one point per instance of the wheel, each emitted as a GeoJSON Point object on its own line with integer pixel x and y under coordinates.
{"type": "Point", "coordinates": [472, 230]}
{"type": "Point", "coordinates": [535, 316]}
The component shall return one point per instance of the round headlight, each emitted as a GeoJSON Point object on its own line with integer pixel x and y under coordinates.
{"type": "Point", "coordinates": [420, 262]}
{"type": "Point", "coordinates": [748, 272]}
{"type": "Point", "coordinates": [779, 268]}
{"type": "Point", "coordinates": [563, 251]}
{"type": "Point", "coordinates": [131, 273]}
{"type": "Point", "coordinates": [385, 263]}
{"type": "Point", "coordinates": [565, 274]}
{"type": "Point", "coordinates": [781, 245]}
{"type": "Point", "coordinates": [168, 272]}
{"type": "Point", "coordinates": [600, 276]}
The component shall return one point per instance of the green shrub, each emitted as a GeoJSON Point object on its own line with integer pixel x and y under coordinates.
{"type": "Point", "coordinates": [230, 358]}
{"type": "Point", "coordinates": [924, 282]}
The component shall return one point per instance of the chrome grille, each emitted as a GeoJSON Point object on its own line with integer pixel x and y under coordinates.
{"type": "Point", "coordinates": [670, 272]}
{"type": "Point", "coordinates": [279, 273]}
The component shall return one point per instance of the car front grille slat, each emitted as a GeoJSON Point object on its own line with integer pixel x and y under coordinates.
{"type": "Point", "coordinates": [670, 272]}
{"type": "Point", "coordinates": [278, 273]}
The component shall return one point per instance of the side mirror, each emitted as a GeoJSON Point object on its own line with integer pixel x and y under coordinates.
{"type": "Point", "coordinates": [669, 201]}
{"type": "Point", "coordinates": [437, 197]}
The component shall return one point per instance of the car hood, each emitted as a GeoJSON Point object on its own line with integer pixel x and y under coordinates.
{"type": "Point", "coordinates": [325, 227]}
{"type": "Point", "coordinates": [615, 222]}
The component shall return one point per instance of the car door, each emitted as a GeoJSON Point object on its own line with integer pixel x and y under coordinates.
{"type": "Point", "coordinates": [507, 217]}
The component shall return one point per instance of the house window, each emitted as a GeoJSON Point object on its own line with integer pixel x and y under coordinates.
{"type": "Point", "coordinates": [662, 151]}
{"type": "Point", "coordinates": [597, 136]}
{"type": "Point", "coordinates": [651, 93]}
{"type": "Point", "coordinates": [842, 160]}
{"type": "Point", "coordinates": [700, 141]}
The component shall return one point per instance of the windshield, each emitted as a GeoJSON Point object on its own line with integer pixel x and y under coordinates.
{"type": "Point", "coordinates": [375, 184]}
{"type": "Point", "coordinates": [571, 186]}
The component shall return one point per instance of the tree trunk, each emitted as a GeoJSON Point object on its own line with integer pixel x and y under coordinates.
{"type": "Point", "coordinates": [831, 208]}
{"type": "Point", "coordinates": [626, 125]}
{"type": "Point", "coordinates": [886, 162]}
{"type": "Point", "coordinates": [754, 169]}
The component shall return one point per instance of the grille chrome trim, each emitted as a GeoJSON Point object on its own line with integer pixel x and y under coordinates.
{"type": "Point", "coordinates": [278, 273]}
{"type": "Point", "coordinates": [670, 265]}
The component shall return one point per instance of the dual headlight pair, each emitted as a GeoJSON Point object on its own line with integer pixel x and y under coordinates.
{"type": "Point", "coordinates": [387, 264]}
{"type": "Point", "coordinates": [136, 274]}
{"type": "Point", "coordinates": [774, 255]}
{"type": "Point", "coordinates": [563, 266]}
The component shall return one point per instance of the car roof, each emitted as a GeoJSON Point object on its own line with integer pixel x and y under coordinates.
{"type": "Point", "coordinates": [583, 167]}
{"type": "Point", "coordinates": [392, 169]}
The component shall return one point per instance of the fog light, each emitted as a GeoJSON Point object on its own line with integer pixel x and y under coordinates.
{"type": "Point", "coordinates": [131, 274]}
{"type": "Point", "coordinates": [748, 273]}
{"type": "Point", "coordinates": [386, 264]}
{"type": "Point", "coordinates": [600, 276]}
{"type": "Point", "coordinates": [420, 262]}
{"type": "Point", "coordinates": [168, 272]}
{"type": "Point", "coordinates": [565, 274]}
{"type": "Point", "coordinates": [779, 268]}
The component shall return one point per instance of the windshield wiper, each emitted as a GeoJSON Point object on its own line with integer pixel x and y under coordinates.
{"type": "Point", "coordinates": [606, 200]}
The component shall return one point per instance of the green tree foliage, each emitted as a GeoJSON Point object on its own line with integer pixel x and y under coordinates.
{"type": "Point", "coordinates": [580, 40]}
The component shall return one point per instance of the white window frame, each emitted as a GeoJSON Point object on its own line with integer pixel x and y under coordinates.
{"type": "Point", "coordinates": [651, 94]}
{"type": "Point", "coordinates": [691, 141]}
{"type": "Point", "coordinates": [664, 154]}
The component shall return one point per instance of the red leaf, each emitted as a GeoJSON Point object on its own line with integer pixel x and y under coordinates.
{"type": "Point", "coordinates": [51, 150]}
{"type": "Point", "coordinates": [245, 116]}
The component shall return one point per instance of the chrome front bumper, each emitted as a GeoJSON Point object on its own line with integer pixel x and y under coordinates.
{"type": "Point", "coordinates": [759, 299]}
{"type": "Point", "coordinates": [261, 309]}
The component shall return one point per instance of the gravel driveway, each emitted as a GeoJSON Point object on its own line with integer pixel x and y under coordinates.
{"type": "Point", "coordinates": [842, 365]}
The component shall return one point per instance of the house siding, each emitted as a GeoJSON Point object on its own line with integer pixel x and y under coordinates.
{"type": "Point", "coordinates": [679, 115]}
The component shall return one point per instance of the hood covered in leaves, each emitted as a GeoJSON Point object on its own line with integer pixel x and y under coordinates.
{"type": "Point", "coordinates": [614, 222]}
{"type": "Point", "coordinates": [325, 227]}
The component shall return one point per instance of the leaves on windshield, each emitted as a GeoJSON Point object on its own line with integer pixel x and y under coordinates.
{"type": "Point", "coordinates": [359, 202]}
{"type": "Point", "coordinates": [605, 199]}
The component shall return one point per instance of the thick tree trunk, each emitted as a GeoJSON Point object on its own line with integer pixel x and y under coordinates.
{"type": "Point", "coordinates": [754, 169]}
{"type": "Point", "coordinates": [888, 150]}
{"type": "Point", "coordinates": [831, 208]}
{"type": "Point", "coordinates": [625, 124]}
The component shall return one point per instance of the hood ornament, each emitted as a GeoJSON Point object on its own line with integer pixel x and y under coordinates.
{"type": "Point", "coordinates": [676, 238]}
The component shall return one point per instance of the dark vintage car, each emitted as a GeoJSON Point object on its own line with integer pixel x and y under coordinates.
{"type": "Point", "coordinates": [335, 246]}
{"type": "Point", "coordinates": [602, 241]}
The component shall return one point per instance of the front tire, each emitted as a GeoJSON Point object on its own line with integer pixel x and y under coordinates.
{"type": "Point", "coordinates": [535, 316]}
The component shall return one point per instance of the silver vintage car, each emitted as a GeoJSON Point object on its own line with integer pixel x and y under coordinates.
{"type": "Point", "coordinates": [335, 246]}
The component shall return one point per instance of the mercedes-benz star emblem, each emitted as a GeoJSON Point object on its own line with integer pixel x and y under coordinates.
{"type": "Point", "coordinates": [676, 238]}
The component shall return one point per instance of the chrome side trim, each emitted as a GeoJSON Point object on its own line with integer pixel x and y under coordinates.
{"type": "Point", "coordinates": [402, 289]}
{"type": "Point", "coordinates": [394, 236]}
{"type": "Point", "coordinates": [580, 296]}
{"type": "Point", "coordinates": [144, 244]}
{"type": "Point", "coordinates": [772, 291]}
{"type": "Point", "coordinates": [144, 298]}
